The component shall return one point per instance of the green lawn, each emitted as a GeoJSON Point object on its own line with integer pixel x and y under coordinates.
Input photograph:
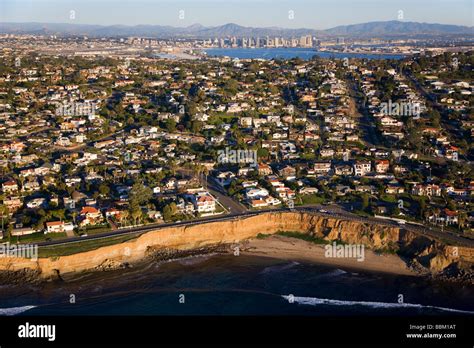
{"type": "Point", "coordinates": [37, 237]}
{"type": "Point", "coordinates": [95, 229]}
{"type": "Point", "coordinates": [82, 246]}
{"type": "Point", "coordinates": [312, 199]}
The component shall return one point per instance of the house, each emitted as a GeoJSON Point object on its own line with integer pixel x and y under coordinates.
{"type": "Point", "coordinates": [322, 168]}
{"type": "Point", "coordinates": [365, 188]}
{"type": "Point", "coordinates": [245, 121]}
{"type": "Point", "coordinates": [112, 212]}
{"type": "Point", "coordinates": [381, 166]}
{"type": "Point", "coordinates": [225, 178]}
{"type": "Point", "coordinates": [343, 169]}
{"type": "Point", "coordinates": [204, 202]}
{"type": "Point", "coordinates": [426, 190]}
{"type": "Point", "coordinates": [31, 186]}
{"type": "Point", "coordinates": [362, 168]}
{"type": "Point", "coordinates": [446, 217]}
{"type": "Point", "coordinates": [342, 190]}
{"type": "Point", "coordinates": [58, 227]}
{"type": "Point", "coordinates": [13, 204]}
{"type": "Point", "coordinates": [154, 215]}
{"type": "Point", "coordinates": [325, 153]}
{"type": "Point", "coordinates": [264, 169]}
{"type": "Point", "coordinates": [22, 231]}
{"type": "Point", "coordinates": [256, 193]}
{"type": "Point", "coordinates": [394, 189]}
{"type": "Point", "coordinates": [9, 187]}
{"type": "Point", "coordinates": [244, 171]}
{"type": "Point", "coordinates": [272, 201]}
{"type": "Point", "coordinates": [287, 172]}
{"type": "Point", "coordinates": [450, 217]}
{"type": "Point", "coordinates": [308, 190]}
{"type": "Point", "coordinates": [247, 184]}
{"type": "Point", "coordinates": [90, 216]}
{"type": "Point", "coordinates": [258, 203]}
{"type": "Point", "coordinates": [91, 212]}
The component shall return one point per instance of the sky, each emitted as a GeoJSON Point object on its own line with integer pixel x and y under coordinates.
{"type": "Point", "coordinates": [317, 14]}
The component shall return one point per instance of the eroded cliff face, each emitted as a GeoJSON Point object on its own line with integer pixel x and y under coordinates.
{"type": "Point", "coordinates": [427, 252]}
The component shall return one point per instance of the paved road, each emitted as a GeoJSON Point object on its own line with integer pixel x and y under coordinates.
{"type": "Point", "coordinates": [366, 121]}
{"type": "Point", "coordinates": [232, 205]}
{"type": "Point", "coordinates": [229, 203]}
{"type": "Point", "coordinates": [432, 102]}
{"type": "Point", "coordinates": [331, 211]}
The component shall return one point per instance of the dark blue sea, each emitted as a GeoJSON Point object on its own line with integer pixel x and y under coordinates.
{"type": "Point", "coordinates": [237, 285]}
{"type": "Point", "coordinates": [288, 53]}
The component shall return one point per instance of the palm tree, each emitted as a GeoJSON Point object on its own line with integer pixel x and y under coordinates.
{"type": "Point", "coordinates": [123, 216]}
{"type": "Point", "coordinates": [74, 215]}
{"type": "Point", "coordinates": [462, 217]}
{"type": "Point", "coordinates": [136, 215]}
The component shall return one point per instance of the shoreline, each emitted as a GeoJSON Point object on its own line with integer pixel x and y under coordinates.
{"type": "Point", "coordinates": [292, 249]}
{"type": "Point", "coordinates": [274, 247]}
{"type": "Point", "coordinates": [423, 254]}
{"type": "Point", "coordinates": [350, 54]}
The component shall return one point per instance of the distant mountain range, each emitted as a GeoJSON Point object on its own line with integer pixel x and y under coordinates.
{"type": "Point", "coordinates": [372, 29]}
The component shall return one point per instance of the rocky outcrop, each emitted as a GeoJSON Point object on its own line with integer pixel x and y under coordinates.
{"type": "Point", "coordinates": [425, 251]}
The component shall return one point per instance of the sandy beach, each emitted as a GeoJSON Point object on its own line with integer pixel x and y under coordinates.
{"type": "Point", "coordinates": [299, 250]}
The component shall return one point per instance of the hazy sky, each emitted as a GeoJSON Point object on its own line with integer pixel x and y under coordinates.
{"type": "Point", "coordinates": [319, 14]}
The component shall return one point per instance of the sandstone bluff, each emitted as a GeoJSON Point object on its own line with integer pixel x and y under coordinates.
{"type": "Point", "coordinates": [418, 250]}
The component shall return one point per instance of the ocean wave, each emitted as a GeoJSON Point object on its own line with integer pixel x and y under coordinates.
{"type": "Point", "coordinates": [314, 301]}
{"type": "Point", "coordinates": [15, 310]}
{"type": "Point", "coordinates": [194, 259]}
{"type": "Point", "coordinates": [279, 268]}
{"type": "Point", "coordinates": [335, 273]}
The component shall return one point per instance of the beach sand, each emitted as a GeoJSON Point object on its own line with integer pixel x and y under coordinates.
{"type": "Point", "coordinates": [299, 250]}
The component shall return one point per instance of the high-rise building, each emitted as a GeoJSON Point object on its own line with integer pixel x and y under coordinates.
{"type": "Point", "coordinates": [306, 41]}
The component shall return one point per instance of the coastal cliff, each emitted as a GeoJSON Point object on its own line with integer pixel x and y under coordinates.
{"type": "Point", "coordinates": [420, 250]}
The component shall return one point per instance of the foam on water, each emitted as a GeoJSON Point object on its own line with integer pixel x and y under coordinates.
{"type": "Point", "coordinates": [314, 301]}
{"type": "Point", "coordinates": [15, 310]}
{"type": "Point", "coordinates": [279, 268]}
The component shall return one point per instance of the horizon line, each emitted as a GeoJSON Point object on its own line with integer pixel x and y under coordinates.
{"type": "Point", "coordinates": [228, 23]}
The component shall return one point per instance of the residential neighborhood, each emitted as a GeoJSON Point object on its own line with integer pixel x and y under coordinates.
{"type": "Point", "coordinates": [98, 144]}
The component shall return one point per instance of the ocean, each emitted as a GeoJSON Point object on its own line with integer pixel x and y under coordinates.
{"type": "Point", "coordinates": [237, 285]}
{"type": "Point", "coordinates": [288, 53]}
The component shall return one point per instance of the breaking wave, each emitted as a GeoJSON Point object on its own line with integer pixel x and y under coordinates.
{"type": "Point", "coordinates": [314, 301]}
{"type": "Point", "coordinates": [279, 268]}
{"type": "Point", "coordinates": [15, 310]}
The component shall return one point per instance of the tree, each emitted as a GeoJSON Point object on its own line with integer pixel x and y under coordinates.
{"type": "Point", "coordinates": [123, 216]}
{"type": "Point", "coordinates": [4, 215]}
{"type": "Point", "coordinates": [462, 217]}
{"type": "Point", "coordinates": [136, 214]}
{"type": "Point", "coordinates": [365, 201]}
{"type": "Point", "coordinates": [139, 194]}
{"type": "Point", "coordinates": [262, 153]}
{"type": "Point", "coordinates": [170, 125]}
{"type": "Point", "coordinates": [104, 190]}
{"type": "Point", "coordinates": [169, 211]}
{"type": "Point", "coordinates": [396, 211]}
{"type": "Point", "coordinates": [422, 202]}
